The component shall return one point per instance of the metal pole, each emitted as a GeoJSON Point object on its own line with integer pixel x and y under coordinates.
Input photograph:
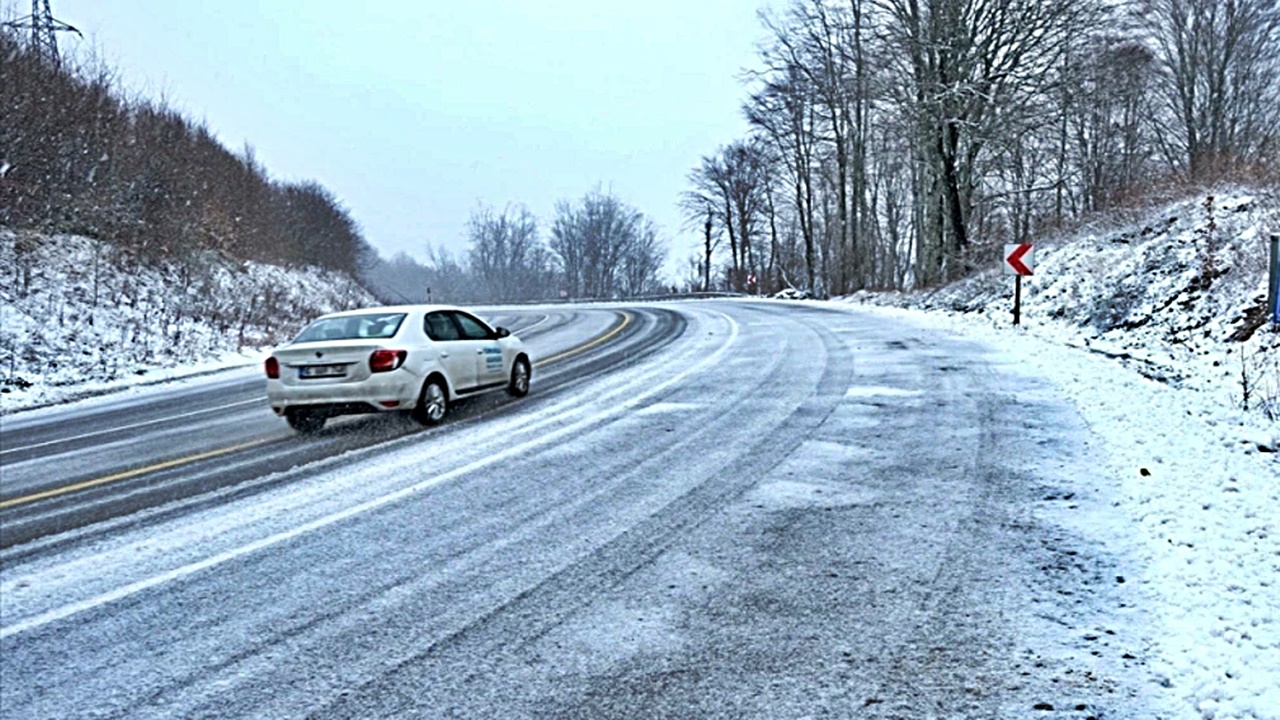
{"type": "Point", "coordinates": [1017, 300]}
{"type": "Point", "coordinates": [1273, 284]}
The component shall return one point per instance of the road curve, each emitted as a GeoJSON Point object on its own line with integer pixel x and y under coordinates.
{"type": "Point", "coordinates": [70, 467]}
{"type": "Point", "coordinates": [785, 511]}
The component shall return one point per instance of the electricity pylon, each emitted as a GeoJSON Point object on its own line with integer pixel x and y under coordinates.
{"type": "Point", "coordinates": [44, 29]}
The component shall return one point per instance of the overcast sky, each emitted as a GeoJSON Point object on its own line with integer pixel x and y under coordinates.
{"type": "Point", "coordinates": [413, 111]}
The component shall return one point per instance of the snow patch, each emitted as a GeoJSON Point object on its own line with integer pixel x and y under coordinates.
{"type": "Point", "coordinates": [876, 391]}
{"type": "Point", "coordinates": [666, 408]}
{"type": "Point", "coordinates": [786, 494]}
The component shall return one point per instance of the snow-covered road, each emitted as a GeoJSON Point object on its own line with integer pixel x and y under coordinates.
{"type": "Point", "coordinates": [792, 510]}
{"type": "Point", "coordinates": [63, 467]}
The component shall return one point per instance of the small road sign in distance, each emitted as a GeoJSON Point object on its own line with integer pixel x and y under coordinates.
{"type": "Point", "coordinates": [1019, 259]}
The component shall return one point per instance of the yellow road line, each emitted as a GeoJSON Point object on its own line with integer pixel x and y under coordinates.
{"type": "Point", "coordinates": [127, 474]}
{"type": "Point", "coordinates": [626, 320]}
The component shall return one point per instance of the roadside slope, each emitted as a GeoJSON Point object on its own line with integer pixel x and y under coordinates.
{"type": "Point", "coordinates": [1152, 329]}
{"type": "Point", "coordinates": [78, 315]}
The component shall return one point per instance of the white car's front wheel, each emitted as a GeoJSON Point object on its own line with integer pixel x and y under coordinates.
{"type": "Point", "coordinates": [519, 385]}
{"type": "Point", "coordinates": [433, 403]}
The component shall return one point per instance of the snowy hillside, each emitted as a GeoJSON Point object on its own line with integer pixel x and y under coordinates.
{"type": "Point", "coordinates": [76, 315]}
{"type": "Point", "coordinates": [1177, 296]}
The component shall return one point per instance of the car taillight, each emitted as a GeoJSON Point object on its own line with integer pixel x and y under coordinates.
{"type": "Point", "coordinates": [386, 360]}
{"type": "Point", "coordinates": [273, 368]}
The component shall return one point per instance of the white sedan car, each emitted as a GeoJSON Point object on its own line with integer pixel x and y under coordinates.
{"type": "Point", "coordinates": [415, 358]}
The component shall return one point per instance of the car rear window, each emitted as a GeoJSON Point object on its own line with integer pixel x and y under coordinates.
{"type": "Point", "coordinates": [352, 327]}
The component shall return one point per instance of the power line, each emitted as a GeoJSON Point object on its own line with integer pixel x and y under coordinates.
{"type": "Point", "coordinates": [44, 29]}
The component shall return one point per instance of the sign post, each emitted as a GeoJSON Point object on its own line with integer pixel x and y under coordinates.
{"type": "Point", "coordinates": [1018, 261]}
{"type": "Point", "coordinates": [1017, 300]}
{"type": "Point", "coordinates": [1273, 285]}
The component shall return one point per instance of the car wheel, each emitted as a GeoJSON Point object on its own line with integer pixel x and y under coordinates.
{"type": "Point", "coordinates": [304, 421]}
{"type": "Point", "coordinates": [433, 403]}
{"type": "Point", "coordinates": [519, 385]}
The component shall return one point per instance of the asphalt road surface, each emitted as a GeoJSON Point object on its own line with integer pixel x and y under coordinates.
{"type": "Point", "coordinates": [703, 509]}
{"type": "Point", "coordinates": [72, 466]}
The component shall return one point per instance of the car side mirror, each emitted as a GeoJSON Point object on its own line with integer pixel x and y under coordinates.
{"type": "Point", "coordinates": [502, 332]}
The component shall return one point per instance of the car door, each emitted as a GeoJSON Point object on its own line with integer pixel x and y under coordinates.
{"type": "Point", "coordinates": [457, 355]}
{"type": "Point", "coordinates": [490, 369]}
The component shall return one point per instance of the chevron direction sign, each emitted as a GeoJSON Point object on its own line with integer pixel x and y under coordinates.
{"type": "Point", "coordinates": [1019, 259]}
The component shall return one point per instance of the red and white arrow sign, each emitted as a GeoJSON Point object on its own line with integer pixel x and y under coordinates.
{"type": "Point", "coordinates": [1019, 259]}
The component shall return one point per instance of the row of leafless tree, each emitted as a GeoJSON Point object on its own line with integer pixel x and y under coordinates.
{"type": "Point", "coordinates": [597, 247]}
{"type": "Point", "coordinates": [76, 156]}
{"type": "Point", "coordinates": [896, 143]}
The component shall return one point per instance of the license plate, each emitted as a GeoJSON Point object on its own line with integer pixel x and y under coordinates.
{"type": "Point", "coordinates": [321, 371]}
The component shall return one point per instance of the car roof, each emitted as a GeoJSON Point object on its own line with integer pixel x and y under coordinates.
{"type": "Point", "coordinates": [423, 309]}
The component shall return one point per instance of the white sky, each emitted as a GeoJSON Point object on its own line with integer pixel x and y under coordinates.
{"type": "Point", "coordinates": [413, 111]}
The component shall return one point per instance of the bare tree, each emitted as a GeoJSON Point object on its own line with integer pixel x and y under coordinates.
{"type": "Point", "coordinates": [783, 111]}
{"type": "Point", "coordinates": [828, 43]}
{"type": "Point", "coordinates": [970, 70]}
{"type": "Point", "coordinates": [593, 240]}
{"type": "Point", "coordinates": [448, 279]}
{"type": "Point", "coordinates": [1107, 106]}
{"type": "Point", "coordinates": [642, 261]}
{"type": "Point", "coordinates": [1220, 85]}
{"type": "Point", "coordinates": [506, 255]}
{"type": "Point", "coordinates": [730, 185]}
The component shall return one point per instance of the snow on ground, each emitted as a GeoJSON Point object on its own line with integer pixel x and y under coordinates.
{"type": "Point", "coordinates": [1133, 325]}
{"type": "Point", "coordinates": [1203, 508]}
{"type": "Point", "coordinates": [1162, 295]}
{"type": "Point", "coordinates": [1135, 328]}
{"type": "Point", "coordinates": [87, 318]}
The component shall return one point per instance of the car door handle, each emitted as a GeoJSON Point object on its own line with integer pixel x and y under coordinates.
{"type": "Point", "coordinates": [479, 352]}
{"type": "Point", "coordinates": [444, 354]}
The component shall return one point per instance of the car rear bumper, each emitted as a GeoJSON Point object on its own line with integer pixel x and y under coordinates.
{"type": "Point", "coordinates": [392, 391]}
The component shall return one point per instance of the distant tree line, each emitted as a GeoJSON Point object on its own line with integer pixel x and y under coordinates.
{"type": "Point", "coordinates": [77, 157]}
{"type": "Point", "coordinates": [597, 247]}
{"type": "Point", "coordinates": [898, 143]}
